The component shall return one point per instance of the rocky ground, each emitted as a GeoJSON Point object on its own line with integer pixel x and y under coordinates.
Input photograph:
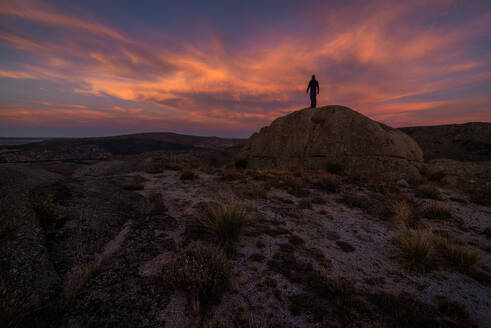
{"type": "Point", "coordinates": [106, 244]}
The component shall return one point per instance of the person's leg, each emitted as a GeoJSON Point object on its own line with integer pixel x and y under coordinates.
{"type": "Point", "coordinates": [313, 101]}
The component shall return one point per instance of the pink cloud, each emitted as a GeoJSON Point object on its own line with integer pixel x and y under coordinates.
{"type": "Point", "coordinates": [378, 59]}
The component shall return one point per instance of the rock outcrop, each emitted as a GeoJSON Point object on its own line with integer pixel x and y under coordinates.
{"type": "Point", "coordinates": [315, 138]}
{"type": "Point", "coordinates": [461, 142]}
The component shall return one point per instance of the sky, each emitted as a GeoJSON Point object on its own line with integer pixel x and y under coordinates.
{"type": "Point", "coordinates": [228, 68]}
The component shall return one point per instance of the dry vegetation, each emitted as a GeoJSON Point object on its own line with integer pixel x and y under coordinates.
{"type": "Point", "coordinates": [201, 270]}
{"type": "Point", "coordinates": [223, 221]}
{"type": "Point", "coordinates": [299, 249]}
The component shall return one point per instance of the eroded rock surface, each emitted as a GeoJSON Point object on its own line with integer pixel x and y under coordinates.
{"type": "Point", "coordinates": [313, 138]}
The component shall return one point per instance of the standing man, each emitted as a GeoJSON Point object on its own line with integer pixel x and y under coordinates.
{"type": "Point", "coordinates": [314, 91]}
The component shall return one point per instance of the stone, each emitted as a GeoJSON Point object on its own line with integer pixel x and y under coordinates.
{"type": "Point", "coordinates": [334, 137]}
{"type": "Point", "coordinates": [402, 183]}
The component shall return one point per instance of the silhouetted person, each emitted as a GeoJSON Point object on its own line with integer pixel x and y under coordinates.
{"type": "Point", "coordinates": [314, 91]}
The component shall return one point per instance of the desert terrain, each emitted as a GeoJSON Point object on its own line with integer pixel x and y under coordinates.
{"type": "Point", "coordinates": [167, 230]}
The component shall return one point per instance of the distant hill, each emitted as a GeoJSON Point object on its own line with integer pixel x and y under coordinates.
{"type": "Point", "coordinates": [18, 141]}
{"type": "Point", "coordinates": [104, 147]}
{"type": "Point", "coordinates": [463, 142]}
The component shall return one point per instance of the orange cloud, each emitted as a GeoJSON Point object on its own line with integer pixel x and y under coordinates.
{"type": "Point", "coordinates": [376, 60]}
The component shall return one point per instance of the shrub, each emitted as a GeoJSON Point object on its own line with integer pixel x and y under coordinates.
{"type": "Point", "coordinates": [459, 256]}
{"type": "Point", "coordinates": [256, 191]}
{"type": "Point", "coordinates": [241, 163]}
{"type": "Point", "coordinates": [406, 214]}
{"type": "Point", "coordinates": [201, 270]}
{"type": "Point", "coordinates": [428, 191]}
{"type": "Point", "coordinates": [223, 222]}
{"type": "Point", "coordinates": [480, 197]}
{"type": "Point", "coordinates": [305, 203]}
{"type": "Point", "coordinates": [154, 204]}
{"type": "Point", "coordinates": [188, 175]}
{"type": "Point", "coordinates": [153, 168]}
{"type": "Point", "coordinates": [334, 168]}
{"type": "Point", "coordinates": [433, 210]}
{"type": "Point", "coordinates": [46, 209]}
{"type": "Point", "coordinates": [296, 188]}
{"type": "Point", "coordinates": [417, 248]}
{"type": "Point", "coordinates": [352, 200]}
{"type": "Point", "coordinates": [329, 183]}
{"type": "Point", "coordinates": [153, 165]}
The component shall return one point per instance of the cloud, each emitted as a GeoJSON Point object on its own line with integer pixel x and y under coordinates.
{"type": "Point", "coordinates": [373, 58]}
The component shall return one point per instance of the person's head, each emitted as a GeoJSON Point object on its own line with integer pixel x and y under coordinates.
{"type": "Point", "coordinates": [313, 77]}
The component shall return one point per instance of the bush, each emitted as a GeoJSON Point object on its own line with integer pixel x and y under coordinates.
{"type": "Point", "coordinates": [334, 168]}
{"type": "Point", "coordinates": [153, 165]}
{"type": "Point", "coordinates": [305, 204]}
{"type": "Point", "coordinates": [295, 187]}
{"type": "Point", "coordinates": [46, 209]}
{"type": "Point", "coordinates": [459, 256]}
{"type": "Point", "coordinates": [428, 191]}
{"type": "Point", "coordinates": [188, 175]}
{"type": "Point", "coordinates": [223, 222]}
{"type": "Point", "coordinates": [241, 163]}
{"type": "Point", "coordinates": [329, 183]}
{"type": "Point", "coordinates": [417, 248]}
{"type": "Point", "coordinates": [435, 211]}
{"type": "Point", "coordinates": [154, 204]}
{"type": "Point", "coordinates": [256, 191]}
{"type": "Point", "coordinates": [406, 214]}
{"type": "Point", "coordinates": [352, 200]}
{"type": "Point", "coordinates": [201, 270]}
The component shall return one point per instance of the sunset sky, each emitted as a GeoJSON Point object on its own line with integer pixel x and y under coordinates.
{"type": "Point", "coordinates": [228, 68]}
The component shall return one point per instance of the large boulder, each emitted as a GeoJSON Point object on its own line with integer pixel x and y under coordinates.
{"type": "Point", "coordinates": [315, 138]}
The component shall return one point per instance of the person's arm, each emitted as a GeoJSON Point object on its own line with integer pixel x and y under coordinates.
{"type": "Point", "coordinates": [318, 88]}
{"type": "Point", "coordinates": [308, 87]}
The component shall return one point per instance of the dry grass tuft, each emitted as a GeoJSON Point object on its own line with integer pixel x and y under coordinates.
{"type": "Point", "coordinates": [459, 256]}
{"type": "Point", "coordinates": [154, 205]}
{"type": "Point", "coordinates": [334, 167]}
{"type": "Point", "coordinates": [305, 204]}
{"type": "Point", "coordinates": [201, 270]}
{"type": "Point", "coordinates": [46, 209]}
{"type": "Point", "coordinates": [256, 191]}
{"type": "Point", "coordinates": [428, 190]}
{"type": "Point", "coordinates": [188, 175]}
{"type": "Point", "coordinates": [417, 248]}
{"type": "Point", "coordinates": [406, 214]}
{"type": "Point", "coordinates": [433, 210]}
{"type": "Point", "coordinates": [80, 274]}
{"type": "Point", "coordinates": [352, 200]}
{"type": "Point", "coordinates": [329, 183]}
{"type": "Point", "coordinates": [424, 249]}
{"type": "Point", "coordinates": [224, 222]}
